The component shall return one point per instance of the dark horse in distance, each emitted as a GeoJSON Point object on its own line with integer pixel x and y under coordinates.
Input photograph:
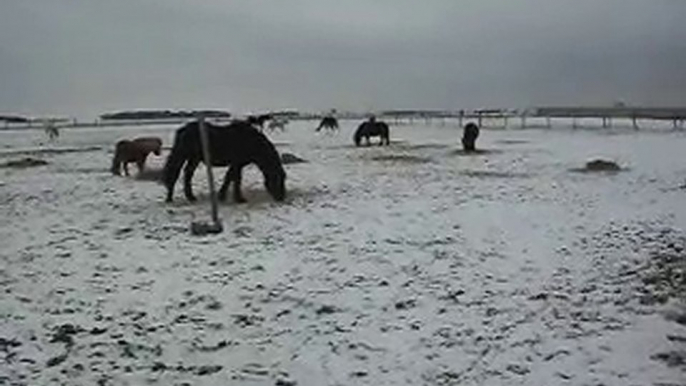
{"type": "Point", "coordinates": [329, 123]}
{"type": "Point", "coordinates": [258, 120]}
{"type": "Point", "coordinates": [135, 151]}
{"type": "Point", "coordinates": [372, 128]}
{"type": "Point", "coordinates": [235, 145]}
{"type": "Point", "coordinates": [471, 133]}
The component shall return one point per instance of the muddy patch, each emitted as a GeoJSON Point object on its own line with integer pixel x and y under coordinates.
{"type": "Point", "coordinates": [477, 152]}
{"type": "Point", "coordinates": [255, 196]}
{"type": "Point", "coordinates": [154, 175]}
{"type": "Point", "coordinates": [599, 166]}
{"type": "Point", "coordinates": [84, 171]}
{"type": "Point", "coordinates": [290, 158]}
{"type": "Point", "coordinates": [401, 158]}
{"type": "Point", "coordinates": [398, 143]}
{"type": "Point", "coordinates": [27, 162]}
{"type": "Point", "coordinates": [422, 146]}
{"type": "Point", "coordinates": [513, 141]}
{"type": "Point", "coordinates": [493, 174]}
{"type": "Point", "coordinates": [64, 150]}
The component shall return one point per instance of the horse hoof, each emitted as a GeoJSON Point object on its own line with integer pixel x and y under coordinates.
{"type": "Point", "coordinates": [240, 200]}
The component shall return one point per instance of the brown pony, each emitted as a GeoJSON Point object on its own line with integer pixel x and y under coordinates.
{"type": "Point", "coordinates": [134, 151]}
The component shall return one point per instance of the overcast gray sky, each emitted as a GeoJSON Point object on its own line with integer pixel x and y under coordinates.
{"type": "Point", "coordinates": [85, 57]}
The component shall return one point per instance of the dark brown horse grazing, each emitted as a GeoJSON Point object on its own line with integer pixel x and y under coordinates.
{"type": "Point", "coordinates": [258, 120]}
{"type": "Point", "coordinates": [329, 123]}
{"type": "Point", "coordinates": [471, 133]}
{"type": "Point", "coordinates": [135, 151]}
{"type": "Point", "coordinates": [372, 128]}
{"type": "Point", "coordinates": [235, 145]}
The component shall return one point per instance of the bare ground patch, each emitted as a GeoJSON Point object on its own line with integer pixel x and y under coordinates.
{"type": "Point", "coordinates": [425, 146]}
{"type": "Point", "coordinates": [477, 152]}
{"type": "Point", "coordinates": [493, 174]}
{"type": "Point", "coordinates": [63, 150]}
{"type": "Point", "coordinates": [149, 174]}
{"type": "Point", "coordinates": [513, 141]}
{"type": "Point", "coordinates": [599, 165]}
{"type": "Point", "coordinates": [401, 158]}
{"type": "Point", "coordinates": [27, 162]}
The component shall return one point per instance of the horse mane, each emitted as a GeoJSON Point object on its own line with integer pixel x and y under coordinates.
{"type": "Point", "coordinates": [271, 163]}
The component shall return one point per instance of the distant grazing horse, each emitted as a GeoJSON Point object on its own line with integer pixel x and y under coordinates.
{"type": "Point", "coordinates": [372, 128]}
{"type": "Point", "coordinates": [258, 120]}
{"type": "Point", "coordinates": [52, 131]}
{"type": "Point", "coordinates": [329, 123]}
{"type": "Point", "coordinates": [135, 151]}
{"type": "Point", "coordinates": [471, 133]}
{"type": "Point", "coordinates": [235, 145]}
{"type": "Point", "coordinates": [277, 123]}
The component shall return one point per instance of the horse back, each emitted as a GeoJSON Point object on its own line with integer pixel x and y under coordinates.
{"type": "Point", "coordinates": [236, 143]}
{"type": "Point", "coordinates": [132, 151]}
{"type": "Point", "coordinates": [148, 143]}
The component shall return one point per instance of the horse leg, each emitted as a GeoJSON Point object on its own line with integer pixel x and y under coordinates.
{"type": "Point", "coordinates": [171, 174]}
{"type": "Point", "coordinates": [141, 165]}
{"type": "Point", "coordinates": [125, 165]}
{"type": "Point", "coordinates": [236, 177]}
{"type": "Point", "coordinates": [188, 171]}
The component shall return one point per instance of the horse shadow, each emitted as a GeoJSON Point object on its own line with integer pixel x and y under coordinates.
{"type": "Point", "coordinates": [474, 153]}
{"type": "Point", "coordinates": [151, 175]}
{"type": "Point", "coordinates": [393, 144]}
{"type": "Point", "coordinates": [256, 198]}
{"type": "Point", "coordinates": [513, 141]}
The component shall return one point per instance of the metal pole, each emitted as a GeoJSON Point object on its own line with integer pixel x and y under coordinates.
{"type": "Point", "coordinates": [204, 143]}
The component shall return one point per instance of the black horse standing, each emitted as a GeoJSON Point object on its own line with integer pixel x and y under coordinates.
{"type": "Point", "coordinates": [235, 145]}
{"type": "Point", "coordinates": [329, 123]}
{"type": "Point", "coordinates": [372, 128]}
{"type": "Point", "coordinates": [471, 133]}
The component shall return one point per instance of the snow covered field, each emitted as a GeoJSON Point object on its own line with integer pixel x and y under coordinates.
{"type": "Point", "coordinates": [413, 264]}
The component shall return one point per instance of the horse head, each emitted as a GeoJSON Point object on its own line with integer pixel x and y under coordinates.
{"type": "Point", "coordinates": [268, 161]}
{"type": "Point", "coordinates": [157, 149]}
{"type": "Point", "coordinates": [359, 133]}
{"type": "Point", "coordinates": [275, 183]}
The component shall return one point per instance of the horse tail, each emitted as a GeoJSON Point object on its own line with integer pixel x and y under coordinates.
{"type": "Point", "coordinates": [177, 157]}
